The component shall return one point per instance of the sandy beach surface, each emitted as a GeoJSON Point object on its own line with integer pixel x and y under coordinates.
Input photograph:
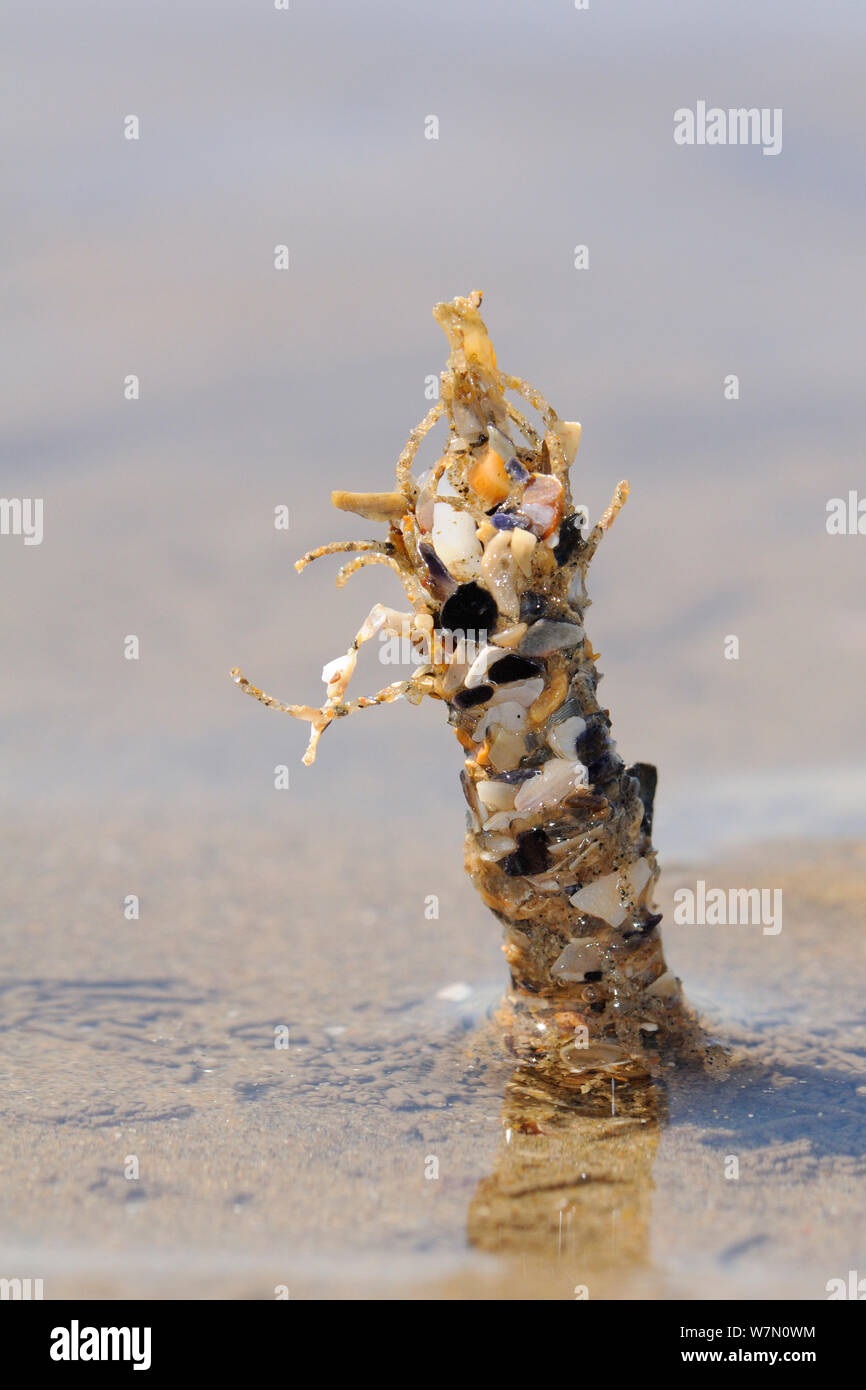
{"type": "Point", "coordinates": [148, 1046]}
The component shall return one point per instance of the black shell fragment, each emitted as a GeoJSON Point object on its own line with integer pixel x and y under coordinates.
{"type": "Point", "coordinates": [647, 778]}
{"type": "Point", "coordinates": [585, 808]}
{"type": "Point", "coordinates": [570, 539]}
{"type": "Point", "coordinates": [604, 769]}
{"type": "Point", "coordinates": [515, 776]}
{"type": "Point", "coordinates": [532, 606]}
{"type": "Point", "coordinates": [531, 856]}
{"type": "Point", "coordinates": [512, 667]}
{"type": "Point", "coordinates": [592, 743]}
{"type": "Point", "coordinates": [642, 926]}
{"type": "Point", "coordinates": [469, 609]}
{"type": "Point", "coordinates": [479, 695]}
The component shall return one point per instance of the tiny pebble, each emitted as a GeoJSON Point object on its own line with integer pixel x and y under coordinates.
{"type": "Point", "coordinates": [456, 993]}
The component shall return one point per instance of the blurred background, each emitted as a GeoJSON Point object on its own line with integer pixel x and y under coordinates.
{"type": "Point", "coordinates": [261, 387]}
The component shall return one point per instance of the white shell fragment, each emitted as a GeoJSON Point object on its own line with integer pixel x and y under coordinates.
{"type": "Point", "coordinates": [664, 986]}
{"type": "Point", "coordinates": [500, 574]}
{"type": "Point", "coordinates": [509, 715]}
{"type": "Point", "coordinates": [563, 736]}
{"type": "Point", "coordinates": [509, 636]}
{"type": "Point", "coordinates": [639, 876]}
{"type": "Point", "coordinates": [458, 667]}
{"type": "Point", "coordinates": [477, 673]}
{"type": "Point", "coordinates": [455, 542]}
{"type": "Point", "coordinates": [496, 796]}
{"type": "Point", "coordinates": [523, 692]}
{"type": "Point", "coordinates": [577, 958]}
{"type": "Point", "coordinates": [336, 669]}
{"type": "Point", "coordinates": [497, 845]}
{"type": "Point", "coordinates": [506, 750]}
{"type": "Point", "coordinates": [552, 784]}
{"type": "Point", "coordinates": [467, 422]}
{"type": "Point", "coordinates": [522, 545]}
{"type": "Point", "coordinates": [603, 898]}
{"type": "Point", "coordinates": [569, 432]}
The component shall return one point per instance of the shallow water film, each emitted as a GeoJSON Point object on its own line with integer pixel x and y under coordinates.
{"type": "Point", "coordinates": [334, 1110]}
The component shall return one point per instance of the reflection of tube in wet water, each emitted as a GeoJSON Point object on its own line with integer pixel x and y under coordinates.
{"type": "Point", "coordinates": [572, 1180]}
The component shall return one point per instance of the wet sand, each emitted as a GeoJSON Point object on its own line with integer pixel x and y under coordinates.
{"type": "Point", "coordinates": [304, 1166]}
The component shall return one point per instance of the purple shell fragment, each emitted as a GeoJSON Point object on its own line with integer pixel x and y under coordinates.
{"type": "Point", "coordinates": [442, 585]}
{"type": "Point", "coordinates": [510, 521]}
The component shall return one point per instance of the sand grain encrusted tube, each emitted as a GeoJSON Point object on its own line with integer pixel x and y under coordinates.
{"type": "Point", "coordinates": [493, 556]}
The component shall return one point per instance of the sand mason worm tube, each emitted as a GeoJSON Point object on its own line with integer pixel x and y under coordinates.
{"type": "Point", "coordinates": [493, 556]}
